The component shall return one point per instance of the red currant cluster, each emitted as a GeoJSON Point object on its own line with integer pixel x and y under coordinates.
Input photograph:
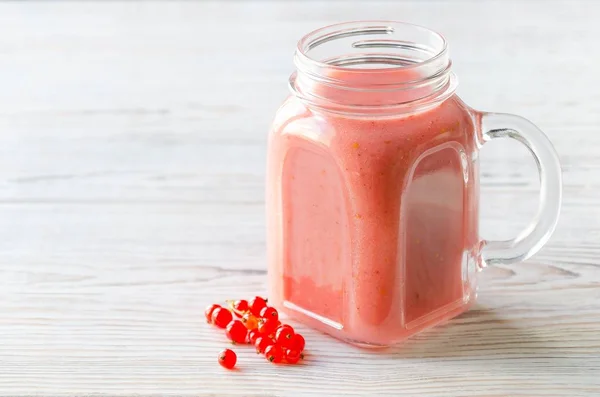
{"type": "Point", "coordinates": [259, 325]}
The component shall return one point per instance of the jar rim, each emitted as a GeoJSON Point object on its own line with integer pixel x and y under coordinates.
{"type": "Point", "coordinates": [330, 32]}
{"type": "Point", "coordinates": [339, 68]}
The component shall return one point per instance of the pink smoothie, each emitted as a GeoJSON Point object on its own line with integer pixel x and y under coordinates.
{"type": "Point", "coordinates": [371, 219]}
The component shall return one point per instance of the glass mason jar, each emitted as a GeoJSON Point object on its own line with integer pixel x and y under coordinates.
{"type": "Point", "coordinates": [373, 186]}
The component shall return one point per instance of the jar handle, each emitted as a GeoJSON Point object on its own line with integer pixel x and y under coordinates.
{"type": "Point", "coordinates": [498, 125]}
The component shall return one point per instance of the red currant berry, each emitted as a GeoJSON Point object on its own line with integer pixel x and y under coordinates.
{"type": "Point", "coordinates": [221, 317]}
{"type": "Point", "coordinates": [285, 326]}
{"type": "Point", "coordinates": [227, 359]}
{"type": "Point", "coordinates": [209, 311]}
{"type": "Point", "coordinates": [269, 312]}
{"type": "Point", "coordinates": [297, 343]}
{"type": "Point", "coordinates": [273, 328]}
{"type": "Point", "coordinates": [240, 307]}
{"type": "Point", "coordinates": [274, 354]}
{"type": "Point", "coordinates": [261, 343]}
{"type": "Point", "coordinates": [292, 356]}
{"type": "Point", "coordinates": [283, 336]}
{"type": "Point", "coordinates": [256, 305]}
{"type": "Point", "coordinates": [236, 331]}
{"type": "Point", "coordinates": [250, 321]}
{"type": "Point", "coordinates": [252, 336]}
{"type": "Point", "coordinates": [267, 326]}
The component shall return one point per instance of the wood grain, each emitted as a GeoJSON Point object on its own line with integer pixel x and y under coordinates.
{"type": "Point", "coordinates": [131, 195]}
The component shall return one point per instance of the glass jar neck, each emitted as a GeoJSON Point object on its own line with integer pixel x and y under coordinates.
{"type": "Point", "coordinates": [373, 67]}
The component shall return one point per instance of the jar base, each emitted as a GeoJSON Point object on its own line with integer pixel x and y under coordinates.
{"type": "Point", "coordinates": [379, 343]}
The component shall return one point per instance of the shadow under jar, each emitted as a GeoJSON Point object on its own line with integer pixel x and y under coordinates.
{"type": "Point", "coordinates": [372, 186]}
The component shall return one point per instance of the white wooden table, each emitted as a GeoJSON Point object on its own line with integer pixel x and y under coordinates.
{"type": "Point", "coordinates": [132, 152]}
